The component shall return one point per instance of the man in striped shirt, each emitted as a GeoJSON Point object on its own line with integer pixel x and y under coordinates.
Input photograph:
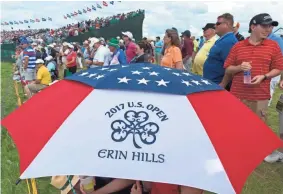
{"type": "Point", "coordinates": [29, 56]}
{"type": "Point", "coordinates": [262, 57]}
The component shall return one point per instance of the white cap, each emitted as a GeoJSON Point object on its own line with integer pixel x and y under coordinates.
{"type": "Point", "coordinates": [65, 44]}
{"type": "Point", "coordinates": [39, 61]}
{"type": "Point", "coordinates": [128, 34]}
{"type": "Point", "coordinates": [48, 58]}
{"type": "Point", "coordinates": [34, 44]}
{"type": "Point", "coordinates": [93, 41]}
{"type": "Point", "coordinates": [118, 37]}
{"type": "Point", "coordinates": [121, 41]}
{"type": "Point", "coordinates": [70, 46]}
{"type": "Point", "coordinates": [101, 39]}
{"type": "Point", "coordinates": [54, 44]}
{"type": "Point", "coordinates": [51, 45]}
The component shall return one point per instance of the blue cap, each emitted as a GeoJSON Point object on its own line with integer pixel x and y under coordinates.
{"type": "Point", "coordinates": [24, 41]}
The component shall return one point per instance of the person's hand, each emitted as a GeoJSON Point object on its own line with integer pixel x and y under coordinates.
{"type": "Point", "coordinates": [281, 84]}
{"type": "Point", "coordinates": [257, 79]}
{"type": "Point", "coordinates": [245, 66]}
{"type": "Point", "coordinates": [136, 189]}
{"type": "Point", "coordinates": [222, 85]}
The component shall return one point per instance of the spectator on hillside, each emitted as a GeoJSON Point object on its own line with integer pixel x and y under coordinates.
{"type": "Point", "coordinates": [201, 56]}
{"type": "Point", "coordinates": [142, 48]}
{"type": "Point", "coordinates": [102, 54]}
{"type": "Point", "coordinates": [130, 45]}
{"type": "Point", "coordinates": [264, 64]}
{"type": "Point", "coordinates": [158, 49]}
{"type": "Point", "coordinates": [187, 50]}
{"type": "Point", "coordinates": [118, 56]}
{"type": "Point", "coordinates": [71, 63]}
{"type": "Point", "coordinates": [29, 61]}
{"type": "Point", "coordinates": [43, 79]}
{"type": "Point", "coordinates": [213, 68]}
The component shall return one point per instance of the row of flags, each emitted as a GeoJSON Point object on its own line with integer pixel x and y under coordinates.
{"type": "Point", "coordinates": [26, 21]}
{"type": "Point", "coordinates": [88, 9]}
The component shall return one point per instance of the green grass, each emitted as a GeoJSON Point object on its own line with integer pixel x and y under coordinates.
{"type": "Point", "coordinates": [266, 179]}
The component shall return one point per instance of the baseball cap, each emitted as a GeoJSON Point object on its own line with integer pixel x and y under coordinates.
{"type": "Point", "coordinates": [24, 41]}
{"type": "Point", "coordinates": [128, 34]}
{"type": "Point", "coordinates": [186, 33]}
{"type": "Point", "coordinates": [39, 61]}
{"type": "Point", "coordinates": [208, 26]}
{"type": "Point", "coordinates": [93, 41]}
{"type": "Point", "coordinates": [263, 18]}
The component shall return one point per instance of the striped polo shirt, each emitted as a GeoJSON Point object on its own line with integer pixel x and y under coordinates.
{"type": "Point", "coordinates": [263, 57]}
{"type": "Point", "coordinates": [30, 53]}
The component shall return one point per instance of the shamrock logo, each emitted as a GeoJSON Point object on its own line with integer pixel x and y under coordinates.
{"type": "Point", "coordinates": [135, 123]}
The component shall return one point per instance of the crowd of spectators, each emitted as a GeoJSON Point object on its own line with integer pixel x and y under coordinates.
{"type": "Point", "coordinates": [59, 34]}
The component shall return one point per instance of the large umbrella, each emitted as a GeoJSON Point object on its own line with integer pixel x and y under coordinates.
{"type": "Point", "coordinates": [141, 122]}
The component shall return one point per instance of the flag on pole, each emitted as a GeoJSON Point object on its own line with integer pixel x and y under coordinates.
{"type": "Point", "coordinates": [21, 22]}
{"type": "Point", "coordinates": [84, 11]}
{"type": "Point", "coordinates": [15, 22]}
{"type": "Point", "coordinates": [88, 9]}
{"type": "Point", "coordinates": [25, 21]}
{"type": "Point", "coordinates": [94, 8]}
{"type": "Point", "coordinates": [11, 23]}
{"type": "Point", "coordinates": [68, 16]}
{"type": "Point", "coordinates": [79, 12]}
{"type": "Point", "coordinates": [111, 2]}
{"type": "Point", "coordinates": [98, 6]}
{"type": "Point", "coordinates": [37, 20]}
{"type": "Point", "coordinates": [65, 17]}
{"type": "Point", "coordinates": [43, 19]}
{"type": "Point", "coordinates": [75, 13]}
{"type": "Point", "coordinates": [50, 19]}
{"type": "Point", "coordinates": [104, 3]}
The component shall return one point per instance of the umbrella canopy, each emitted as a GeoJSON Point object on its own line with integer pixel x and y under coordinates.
{"type": "Point", "coordinates": [141, 122]}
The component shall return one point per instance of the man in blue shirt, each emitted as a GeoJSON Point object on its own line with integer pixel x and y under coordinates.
{"type": "Point", "coordinates": [213, 66]}
{"type": "Point", "coordinates": [158, 49]}
{"type": "Point", "coordinates": [118, 56]}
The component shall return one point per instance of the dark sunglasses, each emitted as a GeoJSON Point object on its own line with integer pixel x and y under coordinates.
{"type": "Point", "coordinates": [219, 23]}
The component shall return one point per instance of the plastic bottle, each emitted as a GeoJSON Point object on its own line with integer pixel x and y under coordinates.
{"type": "Point", "coordinates": [247, 77]}
{"type": "Point", "coordinates": [88, 183]}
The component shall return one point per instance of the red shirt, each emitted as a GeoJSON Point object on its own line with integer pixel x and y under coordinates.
{"type": "Point", "coordinates": [263, 57]}
{"type": "Point", "coordinates": [162, 188]}
{"type": "Point", "coordinates": [188, 48]}
{"type": "Point", "coordinates": [69, 58]}
{"type": "Point", "coordinates": [130, 51]}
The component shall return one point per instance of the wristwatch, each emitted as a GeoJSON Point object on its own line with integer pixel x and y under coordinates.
{"type": "Point", "coordinates": [265, 77]}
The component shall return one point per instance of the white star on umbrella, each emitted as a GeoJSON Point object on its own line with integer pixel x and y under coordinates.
{"type": "Point", "coordinates": [136, 72]}
{"type": "Point", "coordinates": [148, 68]}
{"type": "Point", "coordinates": [168, 69]}
{"type": "Point", "coordinates": [104, 68]}
{"type": "Point", "coordinates": [123, 80]}
{"type": "Point", "coordinates": [177, 74]}
{"type": "Point", "coordinates": [196, 82]}
{"type": "Point", "coordinates": [143, 81]}
{"type": "Point", "coordinates": [91, 75]}
{"type": "Point", "coordinates": [187, 74]}
{"type": "Point", "coordinates": [99, 76]}
{"type": "Point", "coordinates": [85, 73]}
{"type": "Point", "coordinates": [153, 73]}
{"type": "Point", "coordinates": [162, 83]}
{"type": "Point", "coordinates": [186, 82]}
{"type": "Point", "coordinates": [112, 70]}
{"type": "Point", "coordinates": [206, 82]}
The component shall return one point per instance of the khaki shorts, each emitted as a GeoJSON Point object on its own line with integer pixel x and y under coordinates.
{"type": "Point", "coordinates": [259, 107]}
{"type": "Point", "coordinates": [34, 88]}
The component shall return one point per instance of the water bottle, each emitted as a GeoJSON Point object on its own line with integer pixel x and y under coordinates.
{"type": "Point", "coordinates": [88, 183]}
{"type": "Point", "coordinates": [247, 77]}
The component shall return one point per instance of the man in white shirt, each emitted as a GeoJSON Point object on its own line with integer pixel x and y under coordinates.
{"type": "Point", "coordinates": [102, 55]}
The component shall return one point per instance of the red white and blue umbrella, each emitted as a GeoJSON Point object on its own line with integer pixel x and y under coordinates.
{"type": "Point", "coordinates": [140, 122]}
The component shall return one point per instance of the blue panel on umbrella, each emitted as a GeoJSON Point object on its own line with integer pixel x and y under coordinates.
{"type": "Point", "coordinates": [144, 77]}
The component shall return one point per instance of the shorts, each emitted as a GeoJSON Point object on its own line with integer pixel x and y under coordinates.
{"type": "Point", "coordinates": [29, 75]}
{"type": "Point", "coordinates": [259, 107]}
{"type": "Point", "coordinates": [35, 88]}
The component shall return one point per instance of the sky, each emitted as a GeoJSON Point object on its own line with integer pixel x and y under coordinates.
{"type": "Point", "coordinates": [159, 15]}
